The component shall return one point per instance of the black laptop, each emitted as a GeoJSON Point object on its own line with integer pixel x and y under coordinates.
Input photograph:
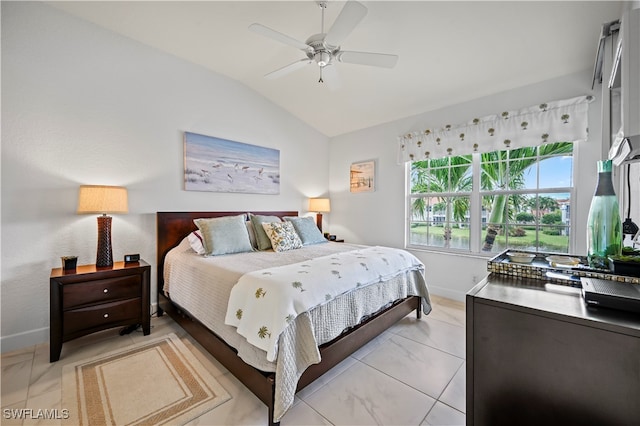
{"type": "Point", "coordinates": [611, 294]}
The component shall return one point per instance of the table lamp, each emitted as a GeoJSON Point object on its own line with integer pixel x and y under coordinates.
{"type": "Point", "coordinates": [319, 205]}
{"type": "Point", "coordinates": [102, 200]}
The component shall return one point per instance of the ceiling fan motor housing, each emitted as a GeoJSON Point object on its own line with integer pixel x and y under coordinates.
{"type": "Point", "coordinates": [320, 52]}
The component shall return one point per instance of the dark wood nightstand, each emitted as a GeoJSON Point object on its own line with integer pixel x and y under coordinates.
{"type": "Point", "coordinates": [90, 299]}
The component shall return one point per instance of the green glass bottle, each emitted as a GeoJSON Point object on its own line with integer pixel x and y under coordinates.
{"type": "Point", "coordinates": [604, 227]}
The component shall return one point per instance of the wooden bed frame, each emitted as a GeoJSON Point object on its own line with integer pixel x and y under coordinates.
{"type": "Point", "coordinates": [172, 227]}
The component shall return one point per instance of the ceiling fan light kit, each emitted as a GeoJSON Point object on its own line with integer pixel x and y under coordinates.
{"type": "Point", "coordinates": [322, 58]}
{"type": "Point", "coordinates": [324, 50]}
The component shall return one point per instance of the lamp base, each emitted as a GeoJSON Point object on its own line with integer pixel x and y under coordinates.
{"type": "Point", "coordinates": [104, 255]}
{"type": "Point", "coordinates": [319, 221]}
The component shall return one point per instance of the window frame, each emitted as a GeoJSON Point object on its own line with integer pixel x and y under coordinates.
{"type": "Point", "coordinates": [475, 210]}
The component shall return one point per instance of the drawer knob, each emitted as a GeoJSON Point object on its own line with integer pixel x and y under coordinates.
{"type": "Point", "coordinates": [106, 315]}
{"type": "Point", "coordinates": [106, 290]}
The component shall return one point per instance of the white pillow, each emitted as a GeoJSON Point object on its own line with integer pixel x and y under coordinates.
{"type": "Point", "coordinates": [282, 235]}
{"type": "Point", "coordinates": [195, 241]}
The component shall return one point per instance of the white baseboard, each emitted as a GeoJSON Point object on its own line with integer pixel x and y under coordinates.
{"type": "Point", "coordinates": [25, 339]}
{"type": "Point", "coordinates": [13, 342]}
{"type": "Point", "coordinates": [446, 292]}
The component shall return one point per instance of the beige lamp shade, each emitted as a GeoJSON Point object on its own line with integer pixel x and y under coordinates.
{"type": "Point", "coordinates": [102, 199]}
{"type": "Point", "coordinates": [320, 205]}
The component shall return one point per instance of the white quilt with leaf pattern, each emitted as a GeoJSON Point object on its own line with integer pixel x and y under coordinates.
{"type": "Point", "coordinates": [264, 302]}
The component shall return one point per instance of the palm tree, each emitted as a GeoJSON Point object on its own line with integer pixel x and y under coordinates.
{"type": "Point", "coordinates": [433, 176]}
{"type": "Point", "coordinates": [496, 175]}
{"type": "Point", "coordinates": [548, 203]}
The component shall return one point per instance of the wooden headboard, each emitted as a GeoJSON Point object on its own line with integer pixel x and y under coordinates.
{"type": "Point", "coordinates": [172, 227]}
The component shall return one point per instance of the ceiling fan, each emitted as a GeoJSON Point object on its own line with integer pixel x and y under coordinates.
{"type": "Point", "coordinates": [324, 49]}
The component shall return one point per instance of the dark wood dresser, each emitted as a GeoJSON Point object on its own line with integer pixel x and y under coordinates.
{"type": "Point", "coordinates": [536, 355]}
{"type": "Point", "coordinates": [90, 299]}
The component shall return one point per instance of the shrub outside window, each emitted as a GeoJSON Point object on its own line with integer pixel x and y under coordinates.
{"type": "Point", "coordinates": [485, 203]}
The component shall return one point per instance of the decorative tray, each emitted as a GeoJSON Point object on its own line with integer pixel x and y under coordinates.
{"type": "Point", "coordinates": [551, 267]}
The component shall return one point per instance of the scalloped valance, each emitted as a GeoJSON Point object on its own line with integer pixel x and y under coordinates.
{"type": "Point", "coordinates": [558, 121]}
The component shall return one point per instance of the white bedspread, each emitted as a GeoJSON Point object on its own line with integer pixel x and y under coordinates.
{"type": "Point", "coordinates": [263, 303]}
{"type": "Point", "coordinates": [202, 286]}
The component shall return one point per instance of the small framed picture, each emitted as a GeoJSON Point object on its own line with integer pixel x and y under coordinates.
{"type": "Point", "coordinates": [362, 176]}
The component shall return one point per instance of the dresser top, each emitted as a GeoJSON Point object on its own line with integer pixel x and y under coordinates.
{"type": "Point", "coordinates": [552, 300]}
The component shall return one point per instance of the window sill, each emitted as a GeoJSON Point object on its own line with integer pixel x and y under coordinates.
{"type": "Point", "coordinates": [459, 253]}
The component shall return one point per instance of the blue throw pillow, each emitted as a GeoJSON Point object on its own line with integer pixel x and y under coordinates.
{"type": "Point", "coordinates": [264, 243]}
{"type": "Point", "coordinates": [307, 230]}
{"type": "Point", "coordinates": [224, 235]}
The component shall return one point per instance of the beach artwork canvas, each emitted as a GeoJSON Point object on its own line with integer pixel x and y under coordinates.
{"type": "Point", "coordinates": [221, 165]}
{"type": "Point", "coordinates": [362, 176]}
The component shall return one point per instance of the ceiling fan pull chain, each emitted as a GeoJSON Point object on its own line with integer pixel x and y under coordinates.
{"type": "Point", "coordinates": [321, 80]}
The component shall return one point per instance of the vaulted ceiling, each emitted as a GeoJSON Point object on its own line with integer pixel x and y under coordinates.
{"type": "Point", "coordinates": [449, 52]}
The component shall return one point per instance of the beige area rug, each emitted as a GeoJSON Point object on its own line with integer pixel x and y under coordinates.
{"type": "Point", "coordinates": [153, 383]}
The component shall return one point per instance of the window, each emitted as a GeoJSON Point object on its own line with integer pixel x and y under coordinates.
{"type": "Point", "coordinates": [484, 203]}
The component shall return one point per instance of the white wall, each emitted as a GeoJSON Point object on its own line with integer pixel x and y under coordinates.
{"type": "Point", "coordinates": [82, 105]}
{"type": "Point", "coordinates": [379, 217]}
{"type": "Point", "coordinates": [633, 196]}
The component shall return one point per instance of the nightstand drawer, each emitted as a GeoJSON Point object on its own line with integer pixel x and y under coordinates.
{"type": "Point", "coordinates": [100, 291]}
{"type": "Point", "coordinates": [101, 315]}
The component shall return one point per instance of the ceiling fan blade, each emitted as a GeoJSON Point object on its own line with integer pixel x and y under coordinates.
{"type": "Point", "coordinates": [331, 78]}
{"type": "Point", "coordinates": [350, 16]}
{"type": "Point", "coordinates": [365, 58]}
{"type": "Point", "coordinates": [287, 69]}
{"type": "Point", "coordinates": [278, 36]}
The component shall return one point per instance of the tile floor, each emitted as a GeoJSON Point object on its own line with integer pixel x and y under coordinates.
{"type": "Point", "coordinates": [412, 374]}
